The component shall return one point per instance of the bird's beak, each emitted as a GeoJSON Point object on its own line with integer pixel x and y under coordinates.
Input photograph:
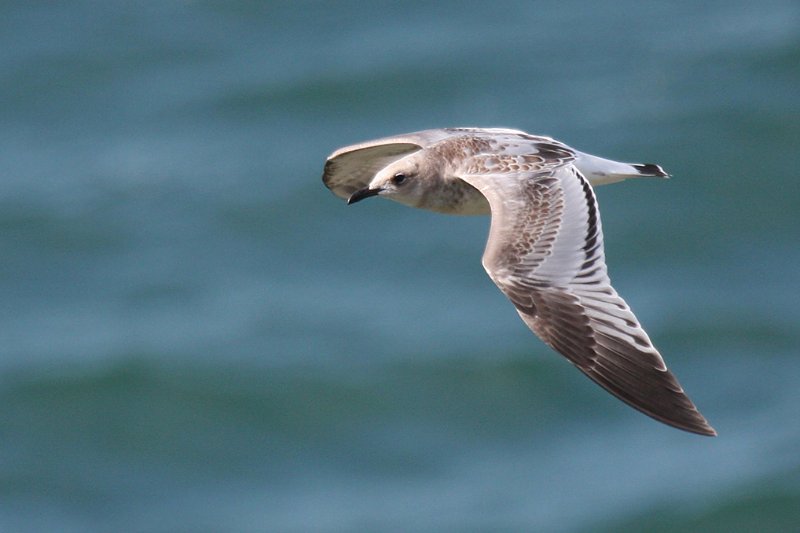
{"type": "Point", "coordinates": [359, 195]}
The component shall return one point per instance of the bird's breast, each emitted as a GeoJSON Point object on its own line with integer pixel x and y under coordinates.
{"type": "Point", "coordinates": [456, 197]}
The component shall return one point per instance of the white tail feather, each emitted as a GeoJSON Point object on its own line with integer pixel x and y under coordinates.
{"type": "Point", "coordinates": [601, 171]}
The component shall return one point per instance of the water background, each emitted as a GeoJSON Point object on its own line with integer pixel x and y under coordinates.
{"type": "Point", "coordinates": [195, 335]}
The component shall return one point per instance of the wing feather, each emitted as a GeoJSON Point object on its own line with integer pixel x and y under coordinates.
{"type": "Point", "coordinates": [545, 252]}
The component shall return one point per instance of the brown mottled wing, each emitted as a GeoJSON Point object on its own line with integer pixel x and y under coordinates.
{"type": "Point", "coordinates": [545, 252]}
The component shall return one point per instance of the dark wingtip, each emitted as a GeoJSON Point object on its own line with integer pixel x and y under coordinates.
{"type": "Point", "coordinates": [696, 422]}
{"type": "Point", "coordinates": [651, 169]}
{"type": "Point", "coordinates": [327, 173]}
{"type": "Point", "coordinates": [702, 427]}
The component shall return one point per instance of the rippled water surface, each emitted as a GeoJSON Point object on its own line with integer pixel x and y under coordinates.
{"type": "Point", "coordinates": [195, 335]}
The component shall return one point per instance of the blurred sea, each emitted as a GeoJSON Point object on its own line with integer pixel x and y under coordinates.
{"type": "Point", "coordinates": [195, 335]}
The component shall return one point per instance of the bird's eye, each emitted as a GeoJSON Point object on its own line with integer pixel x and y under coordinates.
{"type": "Point", "coordinates": [399, 178]}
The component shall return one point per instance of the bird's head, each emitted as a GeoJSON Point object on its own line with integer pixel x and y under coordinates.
{"type": "Point", "coordinates": [406, 180]}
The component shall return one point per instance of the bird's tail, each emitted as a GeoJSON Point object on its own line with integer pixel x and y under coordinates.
{"type": "Point", "coordinates": [601, 171]}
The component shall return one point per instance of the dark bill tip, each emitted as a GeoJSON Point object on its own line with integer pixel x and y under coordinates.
{"type": "Point", "coordinates": [359, 195]}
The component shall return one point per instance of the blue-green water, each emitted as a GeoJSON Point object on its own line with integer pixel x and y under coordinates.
{"type": "Point", "coordinates": [195, 335]}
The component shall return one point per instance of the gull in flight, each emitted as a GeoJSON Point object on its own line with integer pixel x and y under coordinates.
{"type": "Point", "coordinates": [545, 246]}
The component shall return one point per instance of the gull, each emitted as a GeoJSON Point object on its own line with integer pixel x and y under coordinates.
{"type": "Point", "coordinates": [545, 245]}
